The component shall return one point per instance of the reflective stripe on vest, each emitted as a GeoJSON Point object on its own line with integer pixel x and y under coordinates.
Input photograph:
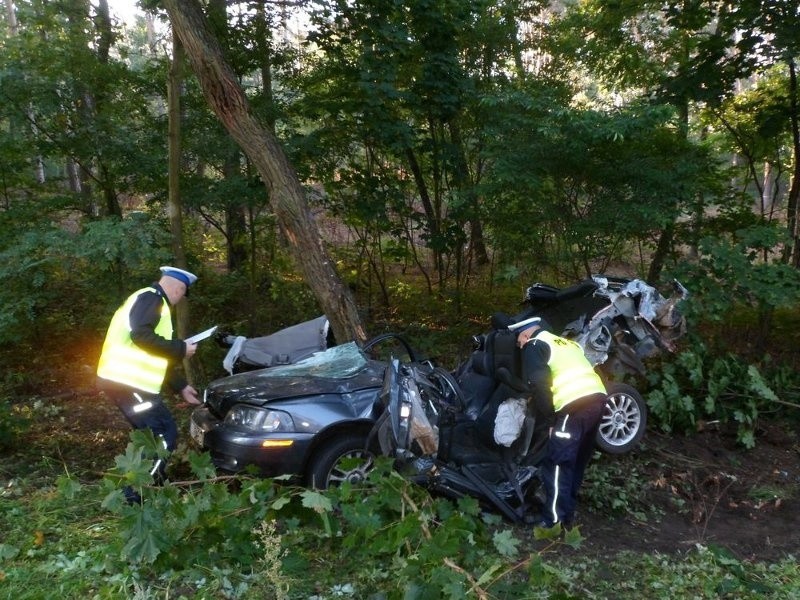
{"type": "Point", "coordinates": [123, 361]}
{"type": "Point", "coordinates": [573, 376]}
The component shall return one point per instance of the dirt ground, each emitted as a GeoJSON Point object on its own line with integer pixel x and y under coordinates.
{"type": "Point", "coordinates": [702, 489]}
{"type": "Point", "coordinates": [705, 489]}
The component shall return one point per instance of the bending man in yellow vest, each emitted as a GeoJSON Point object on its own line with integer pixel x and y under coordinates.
{"type": "Point", "coordinates": [138, 353]}
{"type": "Point", "coordinates": [569, 396]}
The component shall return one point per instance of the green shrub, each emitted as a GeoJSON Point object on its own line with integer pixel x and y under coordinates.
{"type": "Point", "coordinates": [698, 386]}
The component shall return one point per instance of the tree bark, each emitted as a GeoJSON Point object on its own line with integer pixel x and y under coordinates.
{"type": "Point", "coordinates": [792, 253]}
{"type": "Point", "coordinates": [11, 18]}
{"type": "Point", "coordinates": [174, 203]}
{"type": "Point", "coordinates": [227, 99]}
{"type": "Point", "coordinates": [660, 255]}
{"type": "Point", "coordinates": [235, 219]}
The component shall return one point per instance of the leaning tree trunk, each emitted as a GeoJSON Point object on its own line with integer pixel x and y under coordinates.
{"type": "Point", "coordinates": [226, 97]}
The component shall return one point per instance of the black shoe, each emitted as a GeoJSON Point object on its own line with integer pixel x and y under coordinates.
{"type": "Point", "coordinates": [531, 519]}
{"type": "Point", "coordinates": [570, 521]}
{"type": "Point", "coordinates": [544, 524]}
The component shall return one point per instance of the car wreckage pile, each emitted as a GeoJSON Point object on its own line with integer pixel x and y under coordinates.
{"type": "Point", "coordinates": [296, 403]}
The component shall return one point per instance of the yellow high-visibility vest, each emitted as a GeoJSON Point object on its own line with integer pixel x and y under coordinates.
{"type": "Point", "coordinates": [573, 376]}
{"type": "Point", "coordinates": [123, 361]}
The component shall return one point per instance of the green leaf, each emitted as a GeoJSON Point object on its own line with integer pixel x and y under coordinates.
{"type": "Point", "coordinates": [280, 502]}
{"type": "Point", "coordinates": [547, 533]}
{"type": "Point", "coordinates": [469, 506]}
{"type": "Point", "coordinates": [758, 385]}
{"type": "Point", "coordinates": [573, 537]}
{"type": "Point", "coordinates": [144, 542]}
{"type": "Point", "coordinates": [68, 487]}
{"type": "Point", "coordinates": [489, 573]}
{"type": "Point", "coordinates": [505, 543]}
{"type": "Point", "coordinates": [746, 438]}
{"type": "Point", "coordinates": [133, 467]}
{"type": "Point", "coordinates": [149, 443]}
{"type": "Point", "coordinates": [7, 551]}
{"type": "Point", "coordinates": [316, 501]}
{"type": "Point", "coordinates": [321, 505]}
{"type": "Point", "coordinates": [453, 589]}
{"type": "Point", "coordinates": [201, 465]}
{"type": "Point", "coordinates": [114, 501]}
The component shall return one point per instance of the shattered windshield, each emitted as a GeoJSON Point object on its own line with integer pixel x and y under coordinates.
{"type": "Point", "coordinates": [337, 362]}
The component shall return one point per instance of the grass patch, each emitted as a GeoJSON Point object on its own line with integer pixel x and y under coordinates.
{"type": "Point", "coordinates": [54, 544]}
{"type": "Point", "coordinates": [771, 493]}
{"type": "Point", "coordinates": [389, 541]}
{"type": "Point", "coordinates": [703, 572]}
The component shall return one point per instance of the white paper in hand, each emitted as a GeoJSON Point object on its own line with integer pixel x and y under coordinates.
{"type": "Point", "coordinates": [199, 337]}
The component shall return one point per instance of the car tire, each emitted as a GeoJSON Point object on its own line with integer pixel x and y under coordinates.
{"type": "Point", "coordinates": [340, 459]}
{"type": "Point", "coordinates": [623, 421]}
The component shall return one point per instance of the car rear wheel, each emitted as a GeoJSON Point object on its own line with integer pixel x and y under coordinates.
{"type": "Point", "coordinates": [341, 459]}
{"type": "Point", "coordinates": [624, 419]}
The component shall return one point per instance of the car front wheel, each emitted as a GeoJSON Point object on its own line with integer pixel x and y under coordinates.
{"type": "Point", "coordinates": [341, 459]}
{"type": "Point", "coordinates": [624, 419]}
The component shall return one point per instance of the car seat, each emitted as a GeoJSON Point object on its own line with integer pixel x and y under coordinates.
{"type": "Point", "coordinates": [501, 362]}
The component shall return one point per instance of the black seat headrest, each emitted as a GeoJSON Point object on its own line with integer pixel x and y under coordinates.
{"type": "Point", "coordinates": [501, 320]}
{"type": "Point", "coordinates": [512, 381]}
{"type": "Point", "coordinates": [583, 289]}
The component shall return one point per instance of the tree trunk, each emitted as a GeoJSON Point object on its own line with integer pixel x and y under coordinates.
{"type": "Point", "coordinates": [13, 30]}
{"type": "Point", "coordinates": [265, 50]}
{"type": "Point", "coordinates": [174, 203]}
{"type": "Point", "coordinates": [663, 248]}
{"type": "Point", "coordinates": [792, 253]}
{"type": "Point", "coordinates": [431, 215]}
{"type": "Point", "coordinates": [667, 235]}
{"type": "Point", "coordinates": [235, 219]}
{"type": "Point", "coordinates": [226, 97]}
{"type": "Point", "coordinates": [11, 18]}
{"type": "Point", "coordinates": [467, 188]}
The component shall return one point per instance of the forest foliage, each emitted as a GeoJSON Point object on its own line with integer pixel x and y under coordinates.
{"type": "Point", "coordinates": [464, 143]}
{"type": "Point", "coordinates": [451, 151]}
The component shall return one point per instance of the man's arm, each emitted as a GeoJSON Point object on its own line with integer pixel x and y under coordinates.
{"type": "Point", "coordinates": [144, 317]}
{"type": "Point", "coordinates": [535, 355]}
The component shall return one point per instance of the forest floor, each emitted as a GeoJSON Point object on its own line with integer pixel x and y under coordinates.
{"type": "Point", "coordinates": [705, 489]}
{"type": "Point", "coordinates": [680, 490]}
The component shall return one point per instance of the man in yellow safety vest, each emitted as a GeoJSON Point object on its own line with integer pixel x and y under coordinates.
{"type": "Point", "coordinates": [569, 396]}
{"type": "Point", "coordinates": [137, 358]}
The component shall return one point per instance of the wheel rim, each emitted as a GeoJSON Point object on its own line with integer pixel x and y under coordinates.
{"type": "Point", "coordinates": [353, 467]}
{"type": "Point", "coordinates": [621, 419]}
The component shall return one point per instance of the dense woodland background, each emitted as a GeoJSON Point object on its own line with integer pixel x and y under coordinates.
{"type": "Point", "coordinates": [465, 143]}
{"type": "Point", "coordinates": [409, 166]}
{"type": "Point", "coordinates": [398, 165]}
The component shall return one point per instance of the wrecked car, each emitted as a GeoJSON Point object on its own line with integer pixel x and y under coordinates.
{"type": "Point", "coordinates": [619, 323]}
{"type": "Point", "coordinates": [321, 413]}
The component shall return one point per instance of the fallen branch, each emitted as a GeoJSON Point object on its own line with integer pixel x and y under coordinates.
{"type": "Point", "coordinates": [480, 592]}
{"type": "Point", "coordinates": [786, 402]}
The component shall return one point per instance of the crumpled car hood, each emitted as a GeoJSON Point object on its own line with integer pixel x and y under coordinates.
{"type": "Point", "coordinates": [338, 370]}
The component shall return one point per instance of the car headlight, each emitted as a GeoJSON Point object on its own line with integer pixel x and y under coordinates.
{"type": "Point", "coordinates": [259, 419]}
